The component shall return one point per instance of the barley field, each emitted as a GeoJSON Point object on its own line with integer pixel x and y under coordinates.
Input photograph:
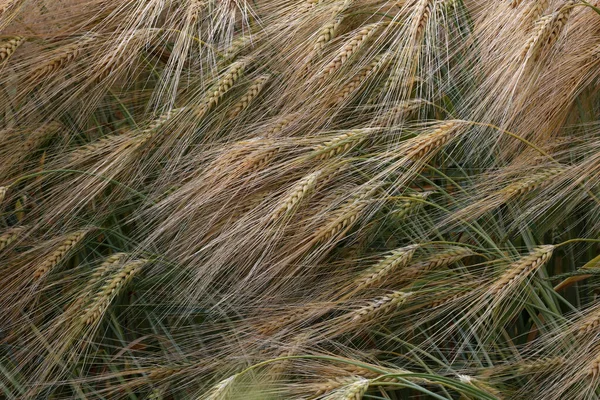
{"type": "Point", "coordinates": [307, 199]}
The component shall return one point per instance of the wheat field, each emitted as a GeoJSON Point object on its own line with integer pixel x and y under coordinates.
{"type": "Point", "coordinates": [308, 199]}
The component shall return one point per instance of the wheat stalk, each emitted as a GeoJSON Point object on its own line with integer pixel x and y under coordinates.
{"type": "Point", "coordinates": [9, 46]}
{"type": "Point", "coordinates": [59, 253]}
{"type": "Point", "coordinates": [522, 268]}
{"type": "Point", "coordinates": [108, 292]}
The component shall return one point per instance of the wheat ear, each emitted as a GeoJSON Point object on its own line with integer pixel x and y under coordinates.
{"type": "Point", "coordinates": [437, 261]}
{"type": "Point", "coordinates": [340, 144]}
{"type": "Point", "coordinates": [253, 91]}
{"type": "Point", "coordinates": [99, 272]}
{"type": "Point", "coordinates": [593, 370]}
{"type": "Point", "coordinates": [68, 54]}
{"type": "Point", "coordinates": [353, 391]}
{"type": "Point", "coordinates": [532, 182]}
{"type": "Point", "coordinates": [379, 307]}
{"type": "Point", "coordinates": [221, 390]}
{"type": "Point", "coordinates": [361, 77]}
{"type": "Point", "coordinates": [522, 268]}
{"type": "Point", "coordinates": [410, 205]}
{"type": "Point", "coordinates": [546, 32]}
{"type": "Point", "coordinates": [60, 253]}
{"type": "Point", "coordinates": [3, 191]}
{"type": "Point", "coordinates": [10, 236]}
{"type": "Point", "coordinates": [295, 196]}
{"type": "Point", "coordinates": [351, 47]}
{"type": "Point", "coordinates": [423, 145]}
{"type": "Point", "coordinates": [9, 46]}
{"type": "Point", "coordinates": [225, 83]}
{"type": "Point", "coordinates": [379, 272]}
{"type": "Point", "coordinates": [422, 15]}
{"type": "Point", "coordinates": [108, 292]}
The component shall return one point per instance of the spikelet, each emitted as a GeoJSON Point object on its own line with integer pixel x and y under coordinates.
{"type": "Point", "coordinates": [426, 144]}
{"type": "Point", "coordinates": [59, 254]}
{"type": "Point", "coordinates": [295, 196]}
{"type": "Point", "coordinates": [10, 236]}
{"type": "Point", "coordinates": [108, 292]}
{"type": "Point", "coordinates": [352, 391]}
{"type": "Point", "coordinates": [379, 307]}
{"type": "Point", "coordinates": [379, 272]}
{"type": "Point", "coordinates": [253, 91]}
{"type": "Point", "coordinates": [9, 46]}
{"type": "Point", "coordinates": [340, 144]}
{"type": "Point", "coordinates": [532, 182]}
{"type": "Point", "coordinates": [350, 48]}
{"type": "Point", "coordinates": [361, 77]}
{"type": "Point", "coordinates": [515, 3]}
{"type": "Point", "coordinates": [520, 269]}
